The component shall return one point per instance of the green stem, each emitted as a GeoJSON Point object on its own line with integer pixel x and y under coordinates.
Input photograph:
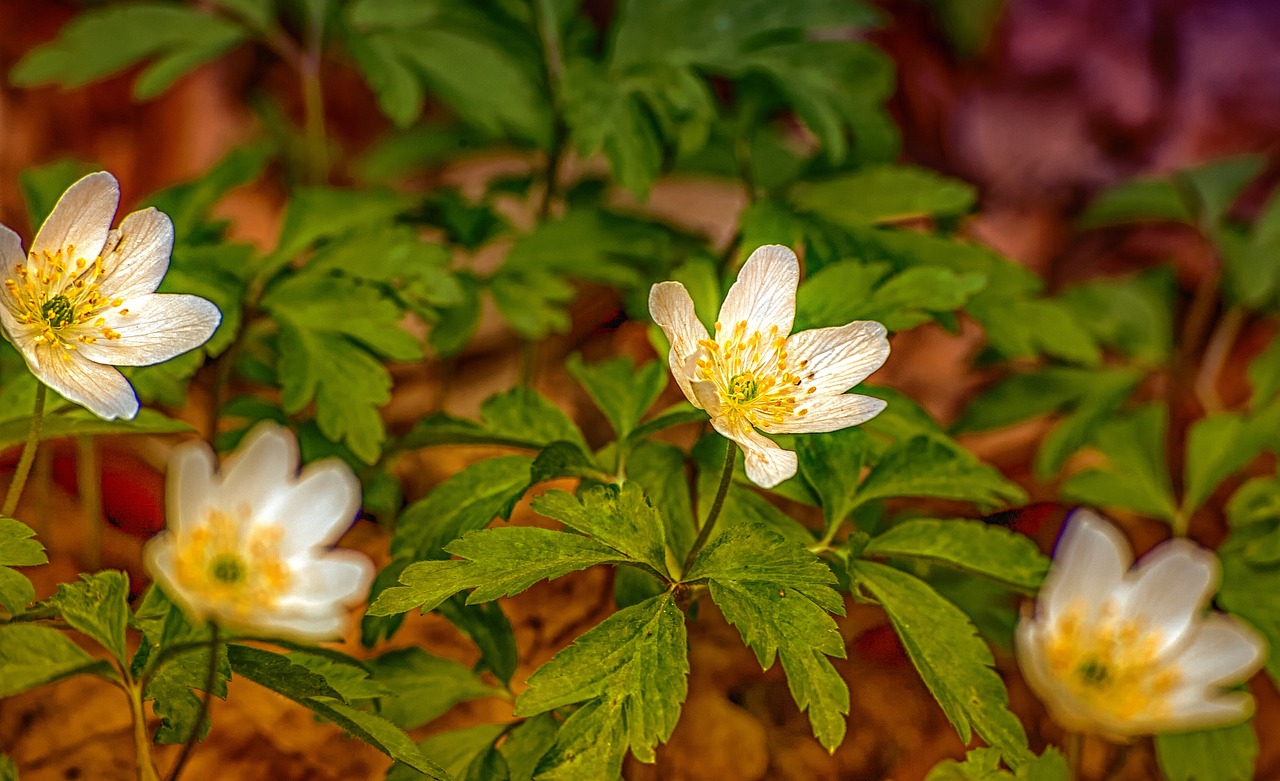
{"type": "Point", "coordinates": [553, 63]}
{"type": "Point", "coordinates": [211, 677]}
{"type": "Point", "coordinates": [313, 106]}
{"type": "Point", "coordinates": [1215, 355]}
{"type": "Point", "coordinates": [28, 455]}
{"type": "Point", "coordinates": [141, 738]}
{"type": "Point", "coordinates": [89, 481]}
{"type": "Point", "coordinates": [704, 534]}
{"type": "Point", "coordinates": [1075, 749]}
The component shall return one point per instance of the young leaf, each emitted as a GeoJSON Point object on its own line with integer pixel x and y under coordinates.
{"type": "Point", "coordinates": [983, 764]}
{"type": "Point", "coordinates": [453, 751]}
{"type": "Point", "coordinates": [780, 595]}
{"type": "Point", "coordinates": [927, 466]}
{"type": "Point", "coordinates": [1215, 186]}
{"type": "Point", "coordinates": [465, 502]}
{"type": "Point", "coordinates": [496, 562]}
{"type": "Point", "coordinates": [1224, 754]}
{"type": "Point", "coordinates": [33, 655]}
{"type": "Point", "coordinates": [526, 744]}
{"type": "Point", "coordinates": [1250, 577]}
{"type": "Point", "coordinates": [631, 671]}
{"type": "Point", "coordinates": [1136, 477]}
{"type": "Point", "coordinates": [18, 548]}
{"type": "Point", "coordinates": [887, 193]}
{"type": "Point", "coordinates": [1264, 374]}
{"type": "Point", "coordinates": [377, 732]}
{"type": "Point", "coordinates": [953, 661]}
{"type": "Point", "coordinates": [622, 518]}
{"type": "Point", "coordinates": [98, 606]}
{"type": "Point", "coordinates": [1132, 314]}
{"type": "Point", "coordinates": [971, 546]}
{"type": "Point", "coordinates": [424, 686]}
{"type": "Point", "coordinates": [832, 465]}
{"type": "Point", "coordinates": [849, 290]}
{"type": "Point", "coordinates": [279, 673]}
{"type": "Point", "coordinates": [623, 393]}
{"type": "Point", "coordinates": [1137, 200]}
{"type": "Point", "coordinates": [1218, 446]}
{"type": "Point", "coordinates": [659, 468]}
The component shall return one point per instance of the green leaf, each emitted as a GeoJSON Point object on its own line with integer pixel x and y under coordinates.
{"type": "Point", "coordinates": [953, 661]}
{"type": "Point", "coordinates": [832, 465]}
{"type": "Point", "coordinates": [453, 750]}
{"type": "Point", "coordinates": [43, 185]}
{"type": "Point", "coordinates": [18, 548]}
{"type": "Point", "coordinates": [279, 673]}
{"type": "Point", "coordinates": [970, 546]}
{"type": "Point", "coordinates": [621, 518]}
{"type": "Point", "coordinates": [497, 562]}
{"type": "Point", "coordinates": [424, 686]}
{"type": "Point", "coordinates": [526, 744]}
{"type": "Point", "coordinates": [1136, 477]}
{"type": "Point", "coordinates": [1132, 314]}
{"type": "Point", "coordinates": [519, 418]}
{"type": "Point", "coordinates": [886, 193]}
{"type": "Point", "coordinates": [8, 770]}
{"type": "Point", "coordinates": [1215, 186]}
{"type": "Point", "coordinates": [98, 606]}
{"type": "Point", "coordinates": [1224, 754]}
{"type": "Point", "coordinates": [927, 466]}
{"type": "Point", "coordinates": [622, 392]}
{"type": "Point", "coordinates": [1250, 577]}
{"type": "Point", "coordinates": [379, 733]}
{"type": "Point", "coordinates": [33, 655]}
{"type": "Point", "coordinates": [983, 764]}
{"type": "Point", "coordinates": [75, 421]}
{"type": "Point", "coordinates": [846, 291]}
{"type": "Point", "coordinates": [660, 469]}
{"type": "Point", "coordinates": [1219, 446]}
{"type": "Point", "coordinates": [780, 596]}
{"type": "Point", "coordinates": [1101, 398]}
{"type": "Point", "coordinates": [1264, 374]}
{"type": "Point", "coordinates": [1138, 200]}
{"type": "Point", "coordinates": [467, 501]}
{"type": "Point", "coordinates": [180, 37]}
{"type": "Point", "coordinates": [631, 669]}
{"type": "Point", "coordinates": [320, 213]}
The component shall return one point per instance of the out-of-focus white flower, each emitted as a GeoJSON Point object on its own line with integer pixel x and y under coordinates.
{"type": "Point", "coordinates": [1119, 652]}
{"type": "Point", "coordinates": [83, 300]}
{"type": "Point", "coordinates": [249, 549]}
{"type": "Point", "coordinates": [755, 374]}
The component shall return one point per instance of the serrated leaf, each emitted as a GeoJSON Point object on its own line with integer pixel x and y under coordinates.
{"type": "Point", "coordinates": [779, 596]}
{"type": "Point", "coordinates": [33, 655]}
{"type": "Point", "coordinates": [927, 466]}
{"type": "Point", "coordinates": [75, 421]}
{"type": "Point", "coordinates": [1214, 186]}
{"type": "Point", "coordinates": [1218, 446]}
{"type": "Point", "coordinates": [846, 291]}
{"type": "Point", "coordinates": [832, 464]}
{"type": "Point", "coordinates": [1224, 754]}
{"type": "Point", "coordinates": [523, 413]}
{"type": "Point", "coordinates": [623, 392]}
{"type": "Point", "coordinates": [1250, 577]}
{"type": "Point", "coordinates": [970, 546]}
{"type": "Point", "coordinates": [621, 518]}
{"type": "Point", "coordinates": [319, 213]}
{"type": "Point", "coordinates": [527, 743]}
{"type": "Point", "coordinates": [467, 501]}
{"type": "Point", "coordinates": [379, 733]}
{"type": "Point", "coordinates": [659, 468]}
{"type": "Point", "coordinates": [497, 562]}
{"type": "Point", "coordinates": [886, 193]}
{"type": "Point", "coordinates": [952, 660]}
{"type": "Point", "coordinates": [424, 686]}
{"type": "Point", "coordinates": [983, 764]}
{"type": "Point", "coordinates": [633, 669]}
{"type": "Point", "coordinates": [1136, 477]}
{"type": "Point", "coordinates": [18, 548]}
{"type": "Point", "coordinates": [1132, 314]}
{"type": "Point", "coordinates": [98, 606]}
{"type": "Point", "coordinates": [279, 673]}
{"type": "Point", "coordinates": [1264, 374]}
{"type": "Point", "coordinates": [453, 750]}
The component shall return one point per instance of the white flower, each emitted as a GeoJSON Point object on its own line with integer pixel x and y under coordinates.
{"type": "Point", "coordinates": [1119, 652]}
{"type": "Point", "coordinates": [84, 299]}
{"type": "Point", "coordinates": [755, 374]}
{"type": "Point", "coordinates": [249, 549]}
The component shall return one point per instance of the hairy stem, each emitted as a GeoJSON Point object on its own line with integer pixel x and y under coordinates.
{"type": "Point", "coordinates": [28, 455]}
{"type": "Point", "coordinates": [210, 678]}
{"type": "Point", "coordinates": [704, 533]}
{"type": "Point", "coordinates": [141, 738]}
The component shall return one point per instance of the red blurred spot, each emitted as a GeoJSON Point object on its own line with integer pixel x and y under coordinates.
{"type": "Point", "coordinates": [880, 644]}
{"type": "Point", "coordinates": [1024, 520]}
{"type": "Point", "coordinates": [132, 490]}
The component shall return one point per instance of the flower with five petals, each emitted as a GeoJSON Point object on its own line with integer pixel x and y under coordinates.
{"type": "Point", "coordinates": [83, 300]}
{"type": "Point", "coordinates": [1121, 652]}
{"type": "Point", "coordinates": [755, 375]}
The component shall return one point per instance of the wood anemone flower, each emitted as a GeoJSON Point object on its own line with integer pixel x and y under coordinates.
{"type": "Point", "coordinates": [83, 300]}
{"type": "Point", "coordinates": [1121, 652]}
{"type": "Point", "coordinates": [250, 548]}
{"type": "Point", "coordinates": [755, 375]}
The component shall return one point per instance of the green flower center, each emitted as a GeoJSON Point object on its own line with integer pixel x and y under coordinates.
{"type": "Point", "coordinates": [227, 568]}
{"type": "Point", "coordinates": [1093, 673]}
{"type": "Point", "coordinates": [58, 312]}
{"type": "Point", "coordinates": [743, 388]}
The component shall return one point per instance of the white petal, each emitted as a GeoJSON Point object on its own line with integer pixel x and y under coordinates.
{"type": "Point", "coordinates": [82, 217]}
{"type": "Point", "coordinates": [339, 577]}
{"type": "Point", "coordinates": [158, 559]}
{"type": "Point", "coordinates": [264, 465]}
{"type": "Point", "coordinates": [766, 463]}
{"type": "Point", "coordinates": [101, 389]}
{"type": "Point", "coordinates": [838, 358]}
{"type": "Point", "coordinates": [1170, 587]}
{"type": "Point", "coordinates": [1192, 712]}
{"type": "Point", "coordinates": [314, 625]}
{"type": "Point", "coordinates": [765, 291]}
{"type": "Point", "coordinates": [190, 485]}
{"type": "Point", "coordinates": [672, 309]}
{"type": "Point", "coordinates": [158, 327]}
{"type": "Point", "coordinates": [315, 511]}
{"type": "Point", "coordinates": [705, 396]}
{"type": "Point", "coordinates": [828, 413]}
{"type": "Point", "coordinates": [1088, 565]}
{"type": "Point", "coordinates": [11, 253]}
{"type": "Point", "coordinates": [139, 255]}
{"type": "Point", "coordinates": [1223, 652]}
{"type": "Point", "coordinates": [1029, 649]}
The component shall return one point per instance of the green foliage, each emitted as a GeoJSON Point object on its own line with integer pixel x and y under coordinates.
{"type": "Point", "coordinates": [77, 421]}
{"type": "Point", "coordinates": [848, 291]}
{"type": "Point", "coordinates": [629, 671]}
{"type": "Point", "coordinates": [954, 663]}
{"type": "Point", "coordinates": [18, 548]}
{"type": "Point", "coordinates": [33, 655]}
{"type": "Point", "coordinates": [780, 597]}
{"type": "Point", "coordinates": [1135, 476]}
{"type": "Point", "coordinates": [424, 686]}
{"type": "Point", "coordinates": [882, 194]}
{"type": "Point", "coordinates": [972, 546]}
{"type": "Point", "coordinates": [377, 732]}
{"type": "Point", "coordinates": [97, 605]}
{"type": "Point", "coordinates": [1224, 754]}
{"type": "Point", "coordinates": [622, 519]}
{"type": "Point", "coordinates": [519, 418]}
{"type": "Point", "coordinates": [1250, 577]}
{"type": "Point", "coordinates": [454, 751]}
{"type": "Point", "coordinates": [622, 392]}
{"type": "Point", "coordinates": [983, 764]}
{"type": "Point", "coordinates": [928, 466]}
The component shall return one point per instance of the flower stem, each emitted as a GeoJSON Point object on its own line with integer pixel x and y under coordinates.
{"type": "Point", "coordinates": [704, 534]}
{"type": "Point", "coordinates": [1075, 749]}
{"type": "Point", "coordinates": [141, 739]}
{"type": "Point", "coordinates": [28, 455]}
{"type": "Point", "coordinates": [1215, 355]}
{"type": "Point", "coordinates": [89, 481]}
{"type": "Point", "coordinates": [210, 678]}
